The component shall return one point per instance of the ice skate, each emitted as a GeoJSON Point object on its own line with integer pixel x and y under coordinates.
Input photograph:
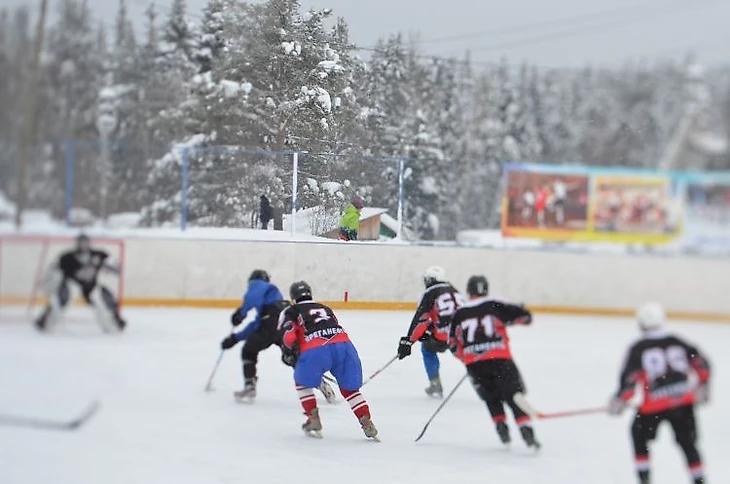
{"type": "Point", "coordinates": [369, 428]}
{"type": "Point", "coordinates": [528, 434]}
{"type": "Point", "coordinates": [327, 391]}
{"type": "Point", "coordinates": [503, 432]}
{"type": "Point", "coordinates": [313, 426]}
{"type": "Point", "coordinates": [248, 394]}
{"type": "Point", "coordinates": [435, 389]}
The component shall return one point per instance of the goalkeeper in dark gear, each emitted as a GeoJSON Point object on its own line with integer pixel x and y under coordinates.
{"type": "Point", "coordinates": [80, 268]}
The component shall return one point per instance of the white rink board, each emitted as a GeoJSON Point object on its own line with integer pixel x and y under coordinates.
{"type": "Point", "coordinates": [179, 269]}
{"type": "Point", "coordinates": [173, 271]}
{"type": "Point", "coordinates": [156, 425]}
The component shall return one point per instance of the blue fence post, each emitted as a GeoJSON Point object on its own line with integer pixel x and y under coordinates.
{"type": "Point", "coordinates": [401, 193]}
{"type": "Point", "coordinates": [184, 192]}
{"type": "Point", "coordinates": [70, 173]}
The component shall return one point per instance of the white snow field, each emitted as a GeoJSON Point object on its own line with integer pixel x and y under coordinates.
{"type": "Point", "coordinates": [157, 425]}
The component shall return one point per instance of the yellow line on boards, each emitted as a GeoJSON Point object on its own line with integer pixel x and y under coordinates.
{"type": "Point", "coordinates": [389, 306]}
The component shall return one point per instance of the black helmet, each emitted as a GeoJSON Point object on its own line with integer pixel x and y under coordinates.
{"type": "Point", "coordinates": [300, 291]}
{"type": "Point", "coordinates": [477, 286]}
{"type": "Point", "coordinates": [259, 275]}
{"type": "Point", "coordinates": [83, 242]}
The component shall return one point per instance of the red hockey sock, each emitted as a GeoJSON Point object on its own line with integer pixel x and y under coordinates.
{"type": "Point", "coordinates": [357, 403]}
{"type": "Point", "coordinates": [695, 468]}
{"type": "Point", "coordinates": [499, 418]}
{"type": "Point", "coordinates": [307, 399]}
{"type": "Point", "coordinates": [522, 421]}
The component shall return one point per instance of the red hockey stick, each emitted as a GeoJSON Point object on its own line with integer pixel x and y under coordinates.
{"type": "Point", "coordinates": [572, 413]}
{"type": "Point", "coordinates": [522, 402]}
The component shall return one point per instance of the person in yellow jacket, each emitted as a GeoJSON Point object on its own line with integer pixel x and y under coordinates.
{"type": "Point", "coordinates": [350, 221]}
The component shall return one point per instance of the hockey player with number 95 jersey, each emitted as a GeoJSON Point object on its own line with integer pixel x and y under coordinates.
{"type": "Point", "coordinates": [312, 330]}
{"type": "Point", "coordinates": [662, 365]}
{"type": "Point", "coordinates": [430, 325]}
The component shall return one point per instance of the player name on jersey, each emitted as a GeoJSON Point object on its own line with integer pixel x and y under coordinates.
{"type": "Point", "coordinates": [323, 333]}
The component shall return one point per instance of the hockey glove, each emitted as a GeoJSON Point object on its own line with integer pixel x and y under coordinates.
{"type": "Point", "coordinates": [289, 356]}
{"type": "Point", "coordinates": [229, 342]}
{"type": "Point", "coordinates": [616, 406]}
{"type": "Point", "coordinates": [236, 317]}
{"type": "Point", "coordinates": [404, 347]}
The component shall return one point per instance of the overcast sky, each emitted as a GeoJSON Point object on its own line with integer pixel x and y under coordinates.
{"type": "Point", "coordinates": [548, 33]}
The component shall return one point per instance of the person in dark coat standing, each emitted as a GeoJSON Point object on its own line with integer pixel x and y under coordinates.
{"type": "Point", "coordinates": [265, 212]}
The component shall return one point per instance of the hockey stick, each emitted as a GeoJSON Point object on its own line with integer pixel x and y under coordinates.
{"type": "Point", "coordinates": [425, 427]}
{"type": "Point", "coordinates": [525, 406]}
{"type": "Point", "coordinates": [209, 385]}
{"type": "Point", "coordinates": [46, 424]}
{"type": "Point", "coordinates": [380, 370]}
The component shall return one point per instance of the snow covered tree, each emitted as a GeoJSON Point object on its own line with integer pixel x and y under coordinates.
{"type": "Point", "coordinates": [211, 37]}
{"type": "Point", "coordinates": [72, 78]}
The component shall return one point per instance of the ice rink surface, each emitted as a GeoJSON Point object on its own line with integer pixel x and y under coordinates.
{"type": "Point", "coordinates": [157, 425]}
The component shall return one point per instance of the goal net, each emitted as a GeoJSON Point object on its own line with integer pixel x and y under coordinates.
{"type": "Point", "coordinates": [25, 260]}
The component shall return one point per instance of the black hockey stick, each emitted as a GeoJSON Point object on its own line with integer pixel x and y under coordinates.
{"type": "Point", "coordinates": [209, 385]}
{"type": "Point", "coordinates": [390, 362]}
{"type": "Point", "coordinates": [47, 424]}
{"type": "Point", "coordinates": [425, 427]}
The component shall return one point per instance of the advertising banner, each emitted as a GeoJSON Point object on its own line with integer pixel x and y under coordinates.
{"type": "Point", "coordinates": [582, 204]}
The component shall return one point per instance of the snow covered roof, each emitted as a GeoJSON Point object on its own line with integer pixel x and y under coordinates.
{"type": "Point", "coordinates": [319, 220]}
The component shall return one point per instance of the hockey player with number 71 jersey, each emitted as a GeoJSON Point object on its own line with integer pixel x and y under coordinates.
{"type": "Point", "coordinates": [430, 325]}
{"type": "Point", "coordinates": [479, 339]}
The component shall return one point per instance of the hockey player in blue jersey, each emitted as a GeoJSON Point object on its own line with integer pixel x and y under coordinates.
{"type": "Point", "coordinates": [266, 299]}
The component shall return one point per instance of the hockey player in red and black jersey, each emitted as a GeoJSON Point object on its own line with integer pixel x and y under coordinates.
{"type": "Point", "coordinates": [315, 334]}
{"type": "Point", "coordinates": [431, 325]}
{"type": "Point", "coordinates": [479, 339]}
{"type": "Point", "coordinates": [81, 267]}
{"type": "Point", "coordinates": [663, 366]}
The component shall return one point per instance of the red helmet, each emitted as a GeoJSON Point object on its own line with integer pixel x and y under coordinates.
{"type": "Point", "coordinates": [357, 202]}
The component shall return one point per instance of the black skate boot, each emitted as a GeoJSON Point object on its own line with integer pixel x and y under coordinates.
{"type": "Point", "coordinates": [40, 322]}
{"type": "Point", "coordinates": [369, 428]}
{"type": "Point", "coordinates": [248, 394]}
{"type": "Point", "coordinates": [435, 389]}
{"type": "Point", "coordinates": [313, 426]}
{"type": "Point", "coordinates": [528, 435]}
{"type": "Point", "coordinates": [503, 432]}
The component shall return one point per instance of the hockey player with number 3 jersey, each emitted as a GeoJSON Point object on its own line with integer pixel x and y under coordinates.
{"type": "Point", "coordinates": [81, 267]}
{"type": "Point", "coordinates": [431, 324]}
{"type": "Point", "coordinates": [323, 345]}
{"type": "Point", "coordinates": [479, 339]}
{"type": "Point", "coordinates": [662, 365]}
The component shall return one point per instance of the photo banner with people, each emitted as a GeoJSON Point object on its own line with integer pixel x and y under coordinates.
{"type": "Point", "coordinates": [582, 204]}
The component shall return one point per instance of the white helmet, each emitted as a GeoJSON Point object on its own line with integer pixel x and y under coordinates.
{"type": "Point", "coordinates": [650, 316]}
{"type": "Point", "coordinates": [433, 274]}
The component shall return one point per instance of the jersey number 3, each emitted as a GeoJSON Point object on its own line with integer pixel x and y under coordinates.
{"type": "Point", "coordinates": [318, 315]}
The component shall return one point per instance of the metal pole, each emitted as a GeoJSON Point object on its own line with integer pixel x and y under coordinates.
{"type": "Point", "coordinates": [29, 127]}
{"type": "Point", "coordinates": [104, 170]}
{"type": "Point", "coordinates": [401, 194]}
{"type": "Point", "coordinates": [184, 190]}
{"type": "Point", "coordinates": [70, 173]}
{"type": "Point", "coordinates": [295, 180]}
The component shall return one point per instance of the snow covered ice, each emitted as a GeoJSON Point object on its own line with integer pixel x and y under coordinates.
{"type": "Point", "coordinates": [156, 424]}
